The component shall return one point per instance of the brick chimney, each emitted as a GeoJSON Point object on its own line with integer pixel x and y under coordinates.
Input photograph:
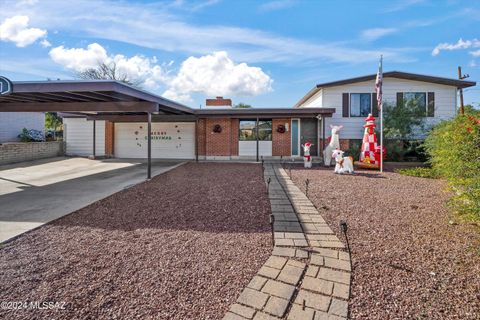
{"type": "Point", "coordinates": [218, 102]}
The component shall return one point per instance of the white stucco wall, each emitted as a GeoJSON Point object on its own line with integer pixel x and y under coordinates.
{"type": "Point", "coordinates": [12, 124]}
{"type": "Point", "coordinates": [331, 97]}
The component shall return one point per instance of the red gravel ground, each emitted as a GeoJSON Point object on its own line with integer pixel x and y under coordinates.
{"type": "Point", "coordinates": [409, 262]}
{"type": "Point", "coordinates": [181, 246]}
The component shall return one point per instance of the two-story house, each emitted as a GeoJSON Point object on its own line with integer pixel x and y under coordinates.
{"type": "Point", "coordinates": [353, 99]}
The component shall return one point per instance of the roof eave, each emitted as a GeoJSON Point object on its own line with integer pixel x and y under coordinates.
{"type": "Point", "coordinates": [306, 97]}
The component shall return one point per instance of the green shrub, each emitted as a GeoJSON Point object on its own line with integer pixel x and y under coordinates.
{"type": "Point", "coordinates": [419, 172]}
{"type": "Point", "coordinates": [354, 149]}
{"type": "Point", "coordinates": [454, 150]}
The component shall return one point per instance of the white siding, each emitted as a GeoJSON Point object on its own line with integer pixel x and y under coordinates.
{"type": "Point", "coordinates": [315, 101]}
{"type": "Point", "coordinates": [78, 133]}
{"type": "Point", "coordinates": [331, 97]}
{"type": "Point", "coordinates": [12, 124]}
{"type": "Point", "coordinates": [130, 140]}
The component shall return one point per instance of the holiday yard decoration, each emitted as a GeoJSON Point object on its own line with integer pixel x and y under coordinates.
{"type": "Point", "coordinates": [307, 158]}
{"type": "Point", "coordinates": [370, 154]}
{"type": "Point", "coordinates": [333, 145]}
{"type": "Point", "coordinates": [342, 164]}
{"type": "Point", "coordinates": [217, 128]}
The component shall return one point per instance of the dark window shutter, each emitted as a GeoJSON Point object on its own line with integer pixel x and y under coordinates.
{"type": "Point", "coordinates": [374, 105]}
{"type": "Point", "coordinates": [399, 98]}
{"type": "Point", "coordinates": [431, 104]}
{"type": "Point", "coordinates": [345, 105]}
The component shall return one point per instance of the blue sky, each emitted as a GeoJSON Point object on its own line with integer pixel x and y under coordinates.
{"type": "Point", "coordinates": [268, 54]}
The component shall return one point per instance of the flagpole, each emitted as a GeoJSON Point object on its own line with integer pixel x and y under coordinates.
{"type": "Point", "coordinates": [381, 119]}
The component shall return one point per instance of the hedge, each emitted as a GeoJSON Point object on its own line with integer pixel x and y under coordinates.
{"type": "Point", "coordinates": [454, 150]}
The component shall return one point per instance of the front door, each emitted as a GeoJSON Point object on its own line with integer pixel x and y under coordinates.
{"type": "Point", "coordinates": [309, 133]}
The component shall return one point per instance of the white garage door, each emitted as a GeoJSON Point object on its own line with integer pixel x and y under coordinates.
{"type": "Point", "coordinates": [170, 140]}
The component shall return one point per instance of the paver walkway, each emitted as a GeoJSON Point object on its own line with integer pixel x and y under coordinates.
{"type": "Point", "coordinates": [307, 276]}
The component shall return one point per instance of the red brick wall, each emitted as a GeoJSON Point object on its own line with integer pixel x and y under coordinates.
{"type": "Point", "coordinates": [201, 137]}
{"type": "Point", "coordinates": [344, 144]}
{"type": "Point", "coordinates": [109, 129]}
{"type": "Point", "coordinates": [281, 142]}
{"type": "Point", "coordinates": [235, 127]}
{"type": "Point", "coordinates": [218, 144]}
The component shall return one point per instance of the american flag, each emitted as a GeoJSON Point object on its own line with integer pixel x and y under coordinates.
{"type": "Point", "coordinates": [378, 84]}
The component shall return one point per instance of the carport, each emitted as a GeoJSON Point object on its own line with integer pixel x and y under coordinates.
{"type": "Point", "coordinates": [95, 100]}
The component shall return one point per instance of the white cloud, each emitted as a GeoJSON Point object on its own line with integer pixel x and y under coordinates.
{"type": "Point", "coordinates": [216, 74]}
{"type": "Point", "coordinates": [203, 4]}
{"type": "Point", "coordinates": [461, 44]}
{"type": "Point", "coordinates": [475, 53]}
{"type": "Point", "coordinates": [276, 5]}
{"type": "Point", "coordinates": [400, 5]}
{"type": "Point", "coordinates": [79, 59]}
{"type": "Point", "coordinates": [141, 68]}
{"type": "Point", "coordinates": [15, 29]}
{"type": "Point", "coordinates": [192, 6]}
{"type": "Point", "coordinates": [376, 33]}
{"type": "Point", "coordinates": [136, 68]}
{"type": "Point", "coordinates": [45, 43]}
{"type": "Point", "coordinates": [153, 25]}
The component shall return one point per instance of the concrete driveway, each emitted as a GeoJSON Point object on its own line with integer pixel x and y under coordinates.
{"type": "Point", "coordinates": [36, 192]}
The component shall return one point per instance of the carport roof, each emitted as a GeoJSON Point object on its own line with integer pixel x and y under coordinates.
{"type": "Point", "coordinates": [108, 99]}
{"type": "Point", "coordinates": [85, 97]}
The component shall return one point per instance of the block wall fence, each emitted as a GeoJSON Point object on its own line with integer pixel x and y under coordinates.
{"type": "Point", "coordinates": [13, 152]}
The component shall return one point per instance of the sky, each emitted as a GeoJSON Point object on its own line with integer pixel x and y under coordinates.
{"type": "Point", "coordinates": [263, 53]}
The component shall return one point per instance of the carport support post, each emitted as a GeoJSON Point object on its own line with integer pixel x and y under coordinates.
{"type": "Point", "coordinates": [256, 133]}
{"type": "Point", "coordinates": [94, 138]}
{"type": "Point", "coordinates": [149, 144]}
{"type": "Point", "coordinates": [323, 137]}
{"type": "Point", "coordinates": [196, 139]}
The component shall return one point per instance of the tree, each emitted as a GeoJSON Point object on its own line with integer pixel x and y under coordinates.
{"type": "Point", "coordinates": [52, 124]}
{"type": "Point", "coordinates": [401, 121]}
{"type": "Point", "coordinates": [242, 105]}
{"type": "Point", "coordinates": [52, 121]}
{"type": "Point", "coordinates": [107, 71]}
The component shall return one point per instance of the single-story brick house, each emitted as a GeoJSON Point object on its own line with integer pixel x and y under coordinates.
{"type": "Point", "coordinates": [107, 118]}
{"type": "Point", "coordinates": [217, 132]}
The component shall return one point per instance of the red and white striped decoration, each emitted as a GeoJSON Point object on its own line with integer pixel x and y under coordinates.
{"type": "Point", "coordinates": [369, 144]}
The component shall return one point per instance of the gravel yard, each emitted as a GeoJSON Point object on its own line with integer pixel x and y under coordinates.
{"type": "Point", "coordinates": [409, 262]}
{"type": "Point", "coordinates": [181, 246]}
